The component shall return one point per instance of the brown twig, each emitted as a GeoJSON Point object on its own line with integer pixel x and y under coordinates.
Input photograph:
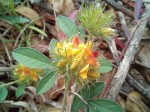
{"type": "Point", "coordinates": [132, 34]}
{"type": "Point", "coordinates": [103, 93]}
{"type": "Point", "coordinates": [5, 46]}
{"type": "Point", "coordinates": [123, 24]}
{"type": "Point", "coordinates": [6, 69]}
{"type": "Point", "coordinates": [120, 7]}
{"type": "Point", "coordinates": [122, 72]}
{"type": "Point", "coordinates": [142, 86]}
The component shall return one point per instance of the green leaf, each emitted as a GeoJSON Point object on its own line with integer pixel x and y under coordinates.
{"type": "Point", "coordinates": [31, 58]}
{"type": "Point", "coordinates": [12, 8]}
{"type": "Point", "coordinates": [77, 102]}
{"type": "Point", "coordinates": [52, 45]}
{"type": "Point", "coordinates": [103, 105]}
{"type": "Point", "coordinates": [67, 26]}
{"type": "Point", "coordinates": [46, 83]}
{"type": "Point", "coordinates": [96, 89]}
{"type": "Point", "coordinates": [3, 94]}
{"type": "Point", "coordinates": [106, 66]}
{"type": "Point", "coordinates": [38, 30]}
{"type": "Point", "coordinates": [14, 19]}
{"type": "Point", "coordinates": [20, 90]}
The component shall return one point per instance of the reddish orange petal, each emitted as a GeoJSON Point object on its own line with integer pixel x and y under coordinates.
{"type": "Point", "coordinates": [92, 61]}
{"type": "Point", "coordinates": [95, 54]}
{"type": "Point", "coordinates": [87, 53]}
{"type": "Point", "coordinates": [75, 41]}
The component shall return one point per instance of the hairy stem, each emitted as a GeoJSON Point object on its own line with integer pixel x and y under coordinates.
{"type": "Point", "coordinates": [65, 94]}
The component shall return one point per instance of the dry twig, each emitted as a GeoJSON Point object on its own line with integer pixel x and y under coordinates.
{"type": "Point", "coordinates": [122, 72]}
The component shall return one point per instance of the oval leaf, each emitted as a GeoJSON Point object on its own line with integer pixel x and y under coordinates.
{"type": "Point", "coordinates": [31, 58]}
{"type": "Point", "coordinates": [77, 102]}
{"type": "Point", "coordinates": [103, 105]}
{"type": "Point", "coordinates": [3, 94]}
{"type": "Point", "coordinates": [46, 83]}
{"type": "Point", "coordinates": [96, 89]}
{"type": "Point", "coordinates": [106, 66]}
{"type": "Point", "coordinates": [67, 26]}
{"type": "Point", "coordinates": [138, 6]}
{"type": "Point", "coordinates": [14, 19]}
{"type": "Point", "coordinates": [20, 90]}
{"type": "Point", "coordinates": [52, 46]}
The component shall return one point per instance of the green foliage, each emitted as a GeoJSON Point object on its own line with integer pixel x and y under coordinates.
{"type": "Point", "coordinates": [20, 90]}
{"type": "Point", "coordinates": [37, 30]}
{"type": "Point", "coordinates": [8, 6]}
{"type": "Point", "coordinates": [31, 58]}
{"type": "Point", "coordinates": [77, 102]}
{"type": "Point", "coordinates": [96, 89]}
{"type": "Point", "coordinates": [14, 19]}
{"type": "Point", "coordinates": [105, 66]}
{"type": "Point", "coordinates": [95, 105]}
{"type": "Point", "coordinates": [3, 94]}
{"type": "Point", "coordinates": [67, 26]}
{"type": "Point", "coordinates": [46, 82]}
{"type": "Point", "coordinates": [94, 19]}
{"type": "Point", "coordinates": [103, 105]}
{"type": "Point", "coordinates": [12, 7]}
{"type": "Point", "coordinates": [52, 46]}
{"type": "Point", "coordinates": [86, 94]}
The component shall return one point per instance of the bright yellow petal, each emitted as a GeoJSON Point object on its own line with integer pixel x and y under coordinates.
{"type": "Point", "coordinates": [74, 65]}
{"type": "Point", "coordinates": [68, 46]}
{"type": "Point", "coordinates": [68, 52]}
{"type": "Point", "coordinates": [75, 51]}
{"type": "Point", "coordinates": [83, 75]}
{"type": "Point", "coordinates": [59, 45]}
{"type": "Point", "coordinates": [81, 46]}
{"type": "Point", "coordinates": [79, 56]}
{"type": "Point", "coordinates": [84, 69]}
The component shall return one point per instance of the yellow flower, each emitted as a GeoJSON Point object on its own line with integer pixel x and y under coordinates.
{"type": "Point", "coordinates": [83, 72]}
{"type": "Point", "coordinates": [23, 73]}
{"type": "Point", "coordinates": [61, 63]}
{"type": "Point", "coordinates": [77, 58]}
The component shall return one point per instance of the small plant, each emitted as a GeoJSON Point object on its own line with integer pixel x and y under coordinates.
{"type": "Point", "coordinates": [95, 20]}
{"type": "Point", "coordinates": [77, 60]}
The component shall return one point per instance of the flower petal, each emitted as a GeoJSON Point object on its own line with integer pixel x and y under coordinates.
{"type": "Point", "coordinates": [84, 69]}
{"type": "Point", "coordinates": [83, 75]}
{"type": "Point", "coordinates": [75, 41]}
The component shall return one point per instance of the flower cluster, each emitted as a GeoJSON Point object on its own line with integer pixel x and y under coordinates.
{"type": "Point", "coordinates": [96, 20]}
{"type": "Point", "coordinates": [25, 74]}
{"type": "Point", "coordinates": [77, 58]}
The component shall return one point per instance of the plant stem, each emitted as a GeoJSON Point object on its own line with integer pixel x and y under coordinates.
{"type": "Point", "coordinates": [65, 94]}
{"type": "Point", "coordinates": [10, 83]}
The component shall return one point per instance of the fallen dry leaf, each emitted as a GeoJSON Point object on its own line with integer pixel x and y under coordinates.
{"type": "Point", "coordinates": [29, 13]}
{"type": "Point", "coordinates": [63, 6]}
{"type": "Point", "coordinates": [135, 104]}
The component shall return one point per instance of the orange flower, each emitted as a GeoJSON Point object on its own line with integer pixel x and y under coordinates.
{"type": "Point", "coordinates": [90, 57]}
{"type": "Point", "coordinates": [24, 73]}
